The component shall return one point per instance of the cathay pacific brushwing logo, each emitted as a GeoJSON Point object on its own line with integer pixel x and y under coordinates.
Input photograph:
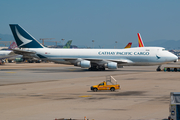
{"type": "Point", "coordinates": [158, 57]}
{"type": "Point", "coordinates": [23, 39]}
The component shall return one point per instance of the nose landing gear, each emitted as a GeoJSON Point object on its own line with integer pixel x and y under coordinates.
{"type": "Point", "coordinates": [158, 68]}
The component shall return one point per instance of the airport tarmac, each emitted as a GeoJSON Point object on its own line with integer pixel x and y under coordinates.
{"type": "Point", "coordinates": [48, 91]}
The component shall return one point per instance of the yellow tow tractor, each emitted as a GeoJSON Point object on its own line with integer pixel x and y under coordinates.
{"type": "Point", "coordinates": [106, 85]}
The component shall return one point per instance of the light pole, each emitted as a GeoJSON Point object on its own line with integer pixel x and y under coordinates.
{"type": "Point", "coordinates": [116, 44]}
{"type": "Point", "coordinates": [63, 41]}
{"type": "Point", "coordinates": [93, 43]}
{"type": "Point", "coordinates": [45, 39]}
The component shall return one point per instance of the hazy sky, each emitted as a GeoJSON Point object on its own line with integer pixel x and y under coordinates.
{"type": "Point", "coordinates": [104, 21]}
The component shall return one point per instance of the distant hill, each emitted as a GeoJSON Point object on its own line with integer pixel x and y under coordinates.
{"type": "Point", "coordinates": [168, 44]}
{"type": "Point", "coordinates": [6, 37]}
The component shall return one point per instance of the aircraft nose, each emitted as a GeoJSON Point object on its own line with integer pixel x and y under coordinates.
{"type": "Point", "coordinates": [171, 57]}
{"type": "Point", "coordinates": [174, 58]}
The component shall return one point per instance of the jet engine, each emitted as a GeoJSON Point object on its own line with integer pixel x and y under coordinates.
{"type": "Point", "coordinates": [111, 65]}
{"type": "Point", "coordinates": [84, 64]}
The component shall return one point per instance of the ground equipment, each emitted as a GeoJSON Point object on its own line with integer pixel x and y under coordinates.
{"type": "Point", "coordinates": [106, 85]}
{"type": "Point", "coordinates": [174, 106]}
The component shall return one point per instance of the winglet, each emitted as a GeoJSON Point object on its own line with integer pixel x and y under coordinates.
{"type": "Point", "coordinates": [128, 45]}
{"type": "Point", "coordinates": [140, 40]}
{"type": "Point", "coordinates": [23, 38]}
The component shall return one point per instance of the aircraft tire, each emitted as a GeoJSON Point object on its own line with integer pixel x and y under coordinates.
{"type": "Point", "coordinates": [168, 69]}
{"type": "Point", "coordinates": [96, 68]}
{"type": "Point", "coordinates": [158, 69]}
{"type": "Point", "coordinates": [102, 69]}
{"type": "Point", "coordinates": [93, 68]}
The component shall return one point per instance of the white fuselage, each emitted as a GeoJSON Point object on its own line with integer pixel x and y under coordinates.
{"type": "Point", "coordinates": [132, 56]}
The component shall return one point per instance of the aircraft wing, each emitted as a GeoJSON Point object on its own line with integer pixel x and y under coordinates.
{"type": "Point", "coordinates": [100, 60]}
{"type": "Point", "coordinates": [22, 52]}
{"type": "Point", "coordinates": [95, 60]}
{"type": "Point", "coordinates": [9, 55]}
{"type": "Point", "coordinates": [119, 61]}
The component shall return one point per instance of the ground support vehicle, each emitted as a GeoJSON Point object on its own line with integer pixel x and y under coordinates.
{"type": "Point", "coordinates": [173, 69]}
{"type": "Point", "coordinates": [174, 106]}
{"type": "Point", "coordinates": [106, 85]}
{"type": "Point", "coordinates": [2, 62]}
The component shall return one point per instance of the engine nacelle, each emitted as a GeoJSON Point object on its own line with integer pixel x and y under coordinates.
{"type": "Point", "coordinates": [84, 64]}
{"type": "Point", "coordinates": [111, 65]}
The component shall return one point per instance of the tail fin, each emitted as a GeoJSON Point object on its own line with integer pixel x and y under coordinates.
{"type": "Point", "coordinates": [23, 38]}
{"type": "Point", "coordinates": [13, 46]}
{"type": "Point", "coordinates": [68, 44]}
{"type": "Point", "coordinates": [128, 45]}
{"type": "Point", "coordinates": [140, 40]}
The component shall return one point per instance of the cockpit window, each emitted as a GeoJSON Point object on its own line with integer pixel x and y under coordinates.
{"type": "Point", "coordinates": [164, 50]}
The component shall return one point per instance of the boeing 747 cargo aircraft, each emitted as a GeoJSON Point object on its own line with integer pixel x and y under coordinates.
{"type": "Point", "coordinates": [94, 59]}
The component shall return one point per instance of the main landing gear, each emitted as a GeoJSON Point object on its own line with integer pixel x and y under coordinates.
{"type": "Point", "coordinates": [97, 68]}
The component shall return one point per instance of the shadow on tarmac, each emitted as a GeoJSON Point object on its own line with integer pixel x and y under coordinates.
{"type": "Point", "coordinates": [51, 70]}
{"type": "Point", "coordinates": [126, 93]}
{"type": "Point", "coordinates": [117, 93]}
